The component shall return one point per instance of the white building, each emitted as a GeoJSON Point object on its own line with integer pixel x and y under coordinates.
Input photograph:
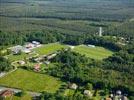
{"type": "Point", "coordinates": [88, 93]}
{"type": "Point", "coordinates": [93, 46]}
{"type": "Point", "coordinates": [35, 42]}
{"type": "Point", "coordinates": [25, 50]}
{"type": "Point", "coordinates": [73, 86]}
{"type": "Point", "coordinates": [22, 62]}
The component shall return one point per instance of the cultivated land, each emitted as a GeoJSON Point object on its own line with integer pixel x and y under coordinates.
{"type": "Point", "coordinates": [31, 81]}
{"type": "Point", "coordinates": [98, 53]}
{"type": "Point", "coordinates": [49, 48]}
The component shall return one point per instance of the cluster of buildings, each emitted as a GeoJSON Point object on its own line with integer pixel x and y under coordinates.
{"type": "Point", "coordinates": [26, 48]}
{"type": "Point", "coordinates": [8, 92]}
{"type": "Point", "coordinates": [85, 92]}
{"type": "Point", "coordinates": [117, 96]}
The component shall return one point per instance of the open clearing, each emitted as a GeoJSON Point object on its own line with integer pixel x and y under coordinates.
{"type": "Point", "coordinates": [31, 81]}
{"type": "Point", "coordinates": [97, 53]}
{"type": "Point", "coordinates": [49, 48]}
{"type": "Point", "coordinates": [20, 57]}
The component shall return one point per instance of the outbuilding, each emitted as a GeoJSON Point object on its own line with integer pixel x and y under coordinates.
{"type": "Point", "coordinates": [73, 86]}
{"type": "Point", "coordinates": [88, 93]}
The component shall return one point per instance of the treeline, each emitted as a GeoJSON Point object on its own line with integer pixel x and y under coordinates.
{"type": "Point", "coordinates": [55, 36]}
{"type": "Point", "coordinates": [125, 30]}
{"type": "Point", "coordinates": [121, 61]}
{"type": "Point", "coordinates": [5, 65]}
{"type": "Point", "coordinates": [58, 96]}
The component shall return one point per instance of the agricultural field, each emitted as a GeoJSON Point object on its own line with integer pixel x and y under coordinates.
{"type": "Point", "coordinates": [49, 48]}
{"type": "Point", "coordinates": [97, 53]}
{"type": "Point", "coordinates": [31, 81]}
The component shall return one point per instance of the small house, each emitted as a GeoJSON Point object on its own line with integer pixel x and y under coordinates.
{"type": "Point", "coordinates": [35, 43]}
{"type": "Point", "coordinates": [6, 93]}
{"type": "Point", "coordinates": [37, 67]}
{"type": "Point", "coordinates": [29, 46]}
{"type": "Point", "coordinates": [25, 50]}
{"type": "Point", "coordinates": [51, 56]}
{"type": "Point", "coordinates": [88, 93]}
{"type": "Point", "coordinates": [21, 62]}
{"type": "Point", "coordinates": [47, 62]}
{"type": "Point", "coordinates": [73, 86]}
{"type": "Point", "coordinates": [118, 92]}
{"type": "Point", "coordinates": [92, 46]}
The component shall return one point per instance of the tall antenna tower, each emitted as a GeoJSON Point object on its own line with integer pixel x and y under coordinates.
{"type": "Point", "coordinates": [100, 31]}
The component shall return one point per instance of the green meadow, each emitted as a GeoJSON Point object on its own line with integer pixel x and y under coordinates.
{"type": "Point", "coordinates": [49, 48]}
{"type": "Point", "coordinates": [31, 81]}
{"type": "Point", "coordinates": [97, 53]}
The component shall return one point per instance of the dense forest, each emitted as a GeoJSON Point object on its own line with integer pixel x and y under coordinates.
{"type": "Point", "coordinates": [5, 65]}
{"type": "Point", "coordinates": [81, 70]}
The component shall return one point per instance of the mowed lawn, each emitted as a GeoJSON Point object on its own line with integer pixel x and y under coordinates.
{"type": "Point", "coordinates": [31, 81]}
{"type": "Point", "coordinates": [97, 53]}
{"type": "Point", "coordinates": [49, 48]}
{"type": "Point", "coordinates": [22, 56]}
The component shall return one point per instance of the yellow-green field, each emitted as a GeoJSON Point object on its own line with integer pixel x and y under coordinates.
{"type": "Point", "coordinates": [49, 48]}
{"type": "Point", "coordinates": [19, 57]}
{"type": "Point", "coordinates": [31, 81]}
{"type": "Point", "coordinates": [97, 53]}
{"type": "Point", "coordinates": [25, 97]}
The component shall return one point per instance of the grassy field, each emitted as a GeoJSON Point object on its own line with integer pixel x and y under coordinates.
{"type": "Point", "coordinates": [69, 92]}
{"type": "Point", "coordinates": [49, 48]}
{"type": "Point", "coordinates": [19, 57]}
{"type": "Point", "coordinates": [98, 53]}
{"type": "Point", "coordinates": [31, 81]}
{"type": "Point", "coordinates": [25, 97]}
